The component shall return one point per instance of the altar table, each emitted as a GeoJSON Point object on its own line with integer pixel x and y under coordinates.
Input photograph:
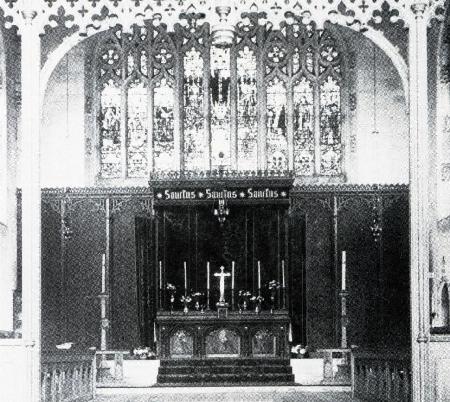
{"type": "Point", "coordinates": [200, 347]}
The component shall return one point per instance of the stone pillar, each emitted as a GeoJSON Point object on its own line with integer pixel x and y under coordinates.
{"type": "Point", "coordinates": [419, 190]}
{"type": "Point", "coordinates": [31, 202]}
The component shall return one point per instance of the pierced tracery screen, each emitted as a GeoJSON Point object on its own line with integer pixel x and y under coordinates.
{"type": "Point", "coordinates": [173, 100]}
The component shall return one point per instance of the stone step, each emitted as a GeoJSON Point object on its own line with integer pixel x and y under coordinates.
{"type": "Point", "coordinates": [209, 362]}
{"type": "Point", "coordinates": [225, 378]}
{"type": "Point", "coordinates": [216, 369]}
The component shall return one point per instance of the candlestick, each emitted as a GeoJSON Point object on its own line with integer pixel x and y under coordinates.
{"type": "Point", "coordinates": [207, 275]}
{"type": "Point", "coordinates": [344, 263]}
{"type": "Point", "coordinates": [282, 275]}
{"type": "Point", "coordinates": [160, 275]}
{"type": "Point", "coordinates": [103, 273]}
{"type": "Point", "coordinates": [259, 275]}
{"type": "Point", "coordinates": [232, 275]}
{"type": "Point", "coordinates": [185, 278]}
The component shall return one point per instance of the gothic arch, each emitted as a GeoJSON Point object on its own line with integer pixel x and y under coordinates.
{"type": "Point", "coordinates": [70, 42]}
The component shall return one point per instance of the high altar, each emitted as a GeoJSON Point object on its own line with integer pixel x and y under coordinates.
{"type": "Point", "coordinates": [240, 347]}
{"type": "Point", "coordinates": [222, 312]}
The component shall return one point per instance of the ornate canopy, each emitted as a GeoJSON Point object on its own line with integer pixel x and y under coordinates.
{"type": "Point", "coordinates": [94, 15]}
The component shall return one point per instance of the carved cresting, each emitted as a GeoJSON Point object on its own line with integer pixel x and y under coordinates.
{"type": "Point", "coordinates": [94, 15]}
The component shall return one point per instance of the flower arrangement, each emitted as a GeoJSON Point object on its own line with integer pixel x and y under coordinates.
{"type": "Point", "coordinates": [143, 353]}
{"type": "Point", "coordinates": [244, 298]}
{"type": "Point", "coordinates": [185, 299]}
{"type": "Point", "coordinates": [171, 288]}
{"type": "Point", "coordinates": [300, 350]}
{"type": "Point", "coordinates": [198, 297]}
{"type": "Point", "coordinates": [274, 285]}
{"type": "Point", "coordinates": [257, 299]}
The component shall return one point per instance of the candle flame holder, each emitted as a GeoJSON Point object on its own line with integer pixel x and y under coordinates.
{"type": "Point", "coordinates": [222, 211]}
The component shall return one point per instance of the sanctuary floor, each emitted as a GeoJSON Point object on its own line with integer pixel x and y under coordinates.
{"type": "Point", "coordinates": [227, 394]}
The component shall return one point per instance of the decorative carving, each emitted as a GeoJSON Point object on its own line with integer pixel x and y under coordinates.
{"type": "Point", "coordinates": [264, 343]}
{"type": "Point", "coordinates": [181, 344]}
{"type": "Point", "coordinates": [97, 14]}
{"type": "Point", "coordinates": [445, 172]}
{"type": "Point", "coordinates": [352, 101]}
{"type": "Point", "coordinates": [194, 175]}
{"type": "Point", "coordinates": [223, 342]}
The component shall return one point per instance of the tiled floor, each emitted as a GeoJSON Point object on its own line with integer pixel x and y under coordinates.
{"type": "Point", "coordinates": [226, 394]}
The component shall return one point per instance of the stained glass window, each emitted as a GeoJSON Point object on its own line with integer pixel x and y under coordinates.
{"type": "Point", "coordinates": [247, 124]}
{"type": "Point", "coordinates": [220, 107]}
{"type": "Point", "coordinates": [137, 129]}
{"type": "Point", "coordinates": [194, 118]}
{"type": "Point", "coordinates": [171, 99]}
{"type": "Point", "coordinates": [163, 129]}
{"type": "Point", "coordinates": [303, 127]}
{"type": "Point", "coordinates": [276, 125]}
{"type": "Point", "coordinates": [330, 131]}
{"type": "Point", "coordinates": [110, 157]}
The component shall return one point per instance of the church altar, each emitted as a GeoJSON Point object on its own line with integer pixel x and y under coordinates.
{"type": "Point", "coordinates": [198, 347]}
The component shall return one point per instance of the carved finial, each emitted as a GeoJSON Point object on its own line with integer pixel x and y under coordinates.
{"type": "Point", "coordinates": [29, 15]}
{"type": "Point", "coordinates": [419, 8]}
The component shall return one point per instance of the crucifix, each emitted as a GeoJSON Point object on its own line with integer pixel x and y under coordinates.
{"type": "Point", "coordinates": [222, 276]}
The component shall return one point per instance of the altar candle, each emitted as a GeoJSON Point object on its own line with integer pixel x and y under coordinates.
{"type": "Point", "coordinates": [344, 263]}
{"type": "Point", "coordinates": [207, 275]}
{"type": "Point", "coordinates": [160, 274]}
{"type": "Point", "coordinates": [259, 275]}
{"type": "Point", "coordinates": [232, 275]}
{"type": "Point", "coordinates": [103, 273]}
{"type": "Point", "coordinates": [282, 275]}
{"type": "Point", "coordinates": [185, 278]}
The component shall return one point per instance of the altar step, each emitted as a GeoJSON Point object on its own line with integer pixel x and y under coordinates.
{"type": "Point", "coordinates": [225, 371]}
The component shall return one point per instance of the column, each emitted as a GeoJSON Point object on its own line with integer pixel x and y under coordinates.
{"type": "Point", "coordinates": [418, 181]}
{"type": "Point", "coordinates": [31, 202]}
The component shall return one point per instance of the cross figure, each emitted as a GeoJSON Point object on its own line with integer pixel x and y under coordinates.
{"type": "Point", "coordinates": [222, 276]}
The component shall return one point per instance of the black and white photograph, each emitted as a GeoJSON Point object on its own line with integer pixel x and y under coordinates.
{"type": "Point", "coordinates": [224, 200]}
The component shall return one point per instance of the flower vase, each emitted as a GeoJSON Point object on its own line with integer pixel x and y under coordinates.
{"type": "Point", "coordinates": [197, 305]}
{"type": "Point", "coordinates": [244, 305]}
{"type": "Point", "coordinates": [172, 300]}
{"type": "Point", "coordinates": [272, 302]}
{"type": "Point", "coordinates": [185, 310]}
{"type": "Point", "coordinates": [258, 308]}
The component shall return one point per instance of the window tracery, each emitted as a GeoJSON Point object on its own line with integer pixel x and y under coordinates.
{"type": "Point", "coordinates": [173, 99]}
